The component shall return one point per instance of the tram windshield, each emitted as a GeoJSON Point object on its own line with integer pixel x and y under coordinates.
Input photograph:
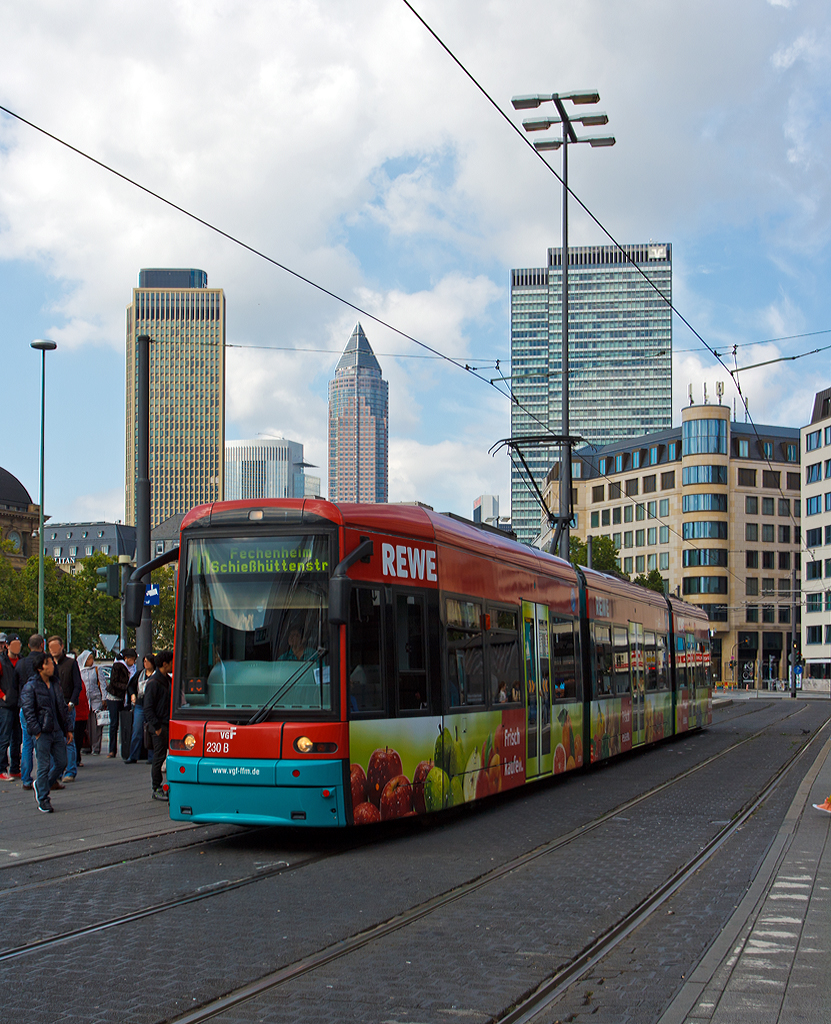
{"type": "Point", "coordinates": [255, 625]}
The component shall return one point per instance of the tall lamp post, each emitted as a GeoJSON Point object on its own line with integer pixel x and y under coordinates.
{"type": "Point", "coordinates": [535, 124]}
{"type": "Point", "coordinates": [44, 345]}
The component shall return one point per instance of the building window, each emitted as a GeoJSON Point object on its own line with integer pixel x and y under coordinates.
{"type": "Point", "coordinates": [747, 478]}
{"type": "Point", "coordinates": [751, 505]}
{"type": "Point", "coordinates": [813, 570]}
{"type": "Point", "coordinates": [595, 520]}
{"type": "Point", "coordinates": [752, 613]}
{"type": "Point", "coordinates": [793, 481]}
{"type": "Point", "coordinates": [616, 541]}
{"type": "Point", "coordinates": [827, 535]}
{"type": "Point", "coordinates": [813, 440]}
{"type": "Point", "coordinates": [751, 559]}
{"type": "Point", "coordinates": [663, 560]}
{"type": "Point", "coordinates": [784, 613]}
{"type": "Point", "coordinates": [668, 481]}
{"type": "Point", "coordinates": [716, 612]}
{"type": "Point", "coordinates": [653, 455]}
{"type": "Point", "coordinates": [614, 490]}
{"type": "Point", "coordinates": [639, 538]}
{"type": "Point", "coordinates": [704, 475]}
{"type": "Point", "coordinates": [768, 585]}
{"type": "Point", "coordinates": [88, 550]}
{"type": "Point", "coordinates": [784, 506]}
{"type": "Point", "coordinates": [663, 535]}
{"type": "Point", "coordinates": [813, 473]}
{"type": "Point", "coordinates": [770, 478]}
{"type": "Point", "coordinates": [828, 569]}
{"type": "Point", "coordinates": [672, 452]}
{"type": "Point", "coordinates": [628, 513]}
{"type": "Point", "coordinates": [704, 437]}
{"type": "Point", "coordinates": [813, 506]}
{"type": "Point", "coordinates": [663, 508]}
{"type": "Point", "coordinates": [767, 506]}
{"type": "Point", "coordinates": [704, 503]}
{"type": "Point", "coordinates": [605, 517]}
{"type": "Point", "coordinates": [784, 534]}
{"type": "Point", "coordinates": [627, 539]}
{"type": "Point", "coordinates": [577, 470]}
{"type": "Point", "coordinates": [704, 585]}
{"type": "Point", "coordinates": [814, 603]}
{"type": "Point", "coordinates": [601, 467]}
{"type": "Point", "coordinates": [705, 556]}
{"type": "Point", "coordinates": [744, 449]}
{"type": "Point", "coordinates": [828, 634]}
{"type": "Point", "coordinates": [813, 634]}
{"type": "Point", "coordinates": [639, 563]}
{"type": "Point", "coordinates": [632, 487]}
{"type": "Point", "coordinates": [616, 515]}
{"type": "Point", "coordinates": [56, 553]}
{"type": "Point", "coordinates": [767, 449]}
{"type": "Point", "coordinates": [640, 512]}
{"type": "Point", "coordinates": [768, 614]}
{"type": "Point", "coordinates": [652, 536]}
{"type": "Point", "coordinates": [598, 493]}
{"type": "Point", "coordinates": [751, 586]}
{"type": "Point", "coordinates": [73, 552]}
{"type": "Point", "coordinates": [767, 533]}
{"type": "Point", "coordinates": [627, 566]}
{"type": "Point", "coordinates": [652, 509]}
{"type": "Point", "coordinates": [636, 460]}
{"type": "Point", "coordinates": [618, 463]}
{"type": "Point", "coordinates": [785, 560]}
{"type": "Point", "coordinates": [105, 549]}
{"type": "Point", "coordinates": [767, 559]}
{"type": "Point", "coordinates": [651, 562]}
{"type": "Point", "coordinates": [792, 453]}
{"type": "Point", "coordinates": [704, 530]}
{"type": "Point", "coordinates": [649, 484]}
{"type": "Point", "coordinates": [751, 532]}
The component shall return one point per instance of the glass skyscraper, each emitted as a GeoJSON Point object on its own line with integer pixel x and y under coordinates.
{"type": "Point", "coordinates": [264, 468]}
{"type": "Point", "coordinates": [358, 425]}
{"type": "Point", "coordinates": [186, 323]}
{"type": "Point", "coordinates": [620, 355]}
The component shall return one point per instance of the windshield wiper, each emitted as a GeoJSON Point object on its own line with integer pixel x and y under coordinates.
{"type": "Point", "coordinates": [274, 699]}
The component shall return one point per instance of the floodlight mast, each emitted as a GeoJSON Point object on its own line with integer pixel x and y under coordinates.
{"type": "Point", "coordinates": [560, 541]}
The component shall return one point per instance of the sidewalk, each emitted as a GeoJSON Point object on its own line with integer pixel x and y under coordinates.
{"type": "Point", "coordinates": [108, 803]}
{"type": "Point", "coordinates": [772, 962]}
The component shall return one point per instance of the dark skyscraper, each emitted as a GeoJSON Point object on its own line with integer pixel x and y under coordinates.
{"type": "Point", "coordinates": [358, 425]}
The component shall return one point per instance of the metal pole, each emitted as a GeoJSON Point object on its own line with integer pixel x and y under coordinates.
{"type": "Point", "coordinates": [41, 573]}
{"type": "Point", "coordinates": [144, 632]}
{"type": "Point", "coordinates": [565, 450]}
{"type": "Point", "coordinates": [792, 659]}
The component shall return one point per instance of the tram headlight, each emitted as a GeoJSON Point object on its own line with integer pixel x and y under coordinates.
{"type": "Point", "coordinates": [189, 741]}
{"type": "Point", "coordinates": [304, 745]}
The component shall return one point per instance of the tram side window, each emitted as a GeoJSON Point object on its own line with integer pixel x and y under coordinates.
{"type": "Point", "coordinates": [411, 660]}
{"type": "Point", "coordinates": [365, 690]}
{"type": "Point", "coordinates": [692, 662]}
{"type": "Point", "coordinates": [563, 659]}
{"type": "Point", "coordinates": [662, 663]}
{"type": "Point", "coordinates": [650, 660]}
{"type": "Point", "coordinates": [603, 660]}
{"type": "Point", "coordinates": [620, 636]}
{"type": "Point", "coordinates": [681, 663]}
{"type": "Point", "coordinates": [503, 658]}
{"type": "Point", "coordinates": [465, 661]}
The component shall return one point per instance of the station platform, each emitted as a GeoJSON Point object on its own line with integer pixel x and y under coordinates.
{"type": "Point", "coordinates": [771, 963]}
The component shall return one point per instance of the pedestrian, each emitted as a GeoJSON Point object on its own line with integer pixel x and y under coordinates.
{"type": "Point", "coordinates": [115, 693]}
{"type": "Point", "coordinates": [157, 716]}
{"type": "Point", "coordinates": [69, 676]}
{"type": "Point", "coordinates": [8, 706]}
{"type": "Point", "coordinates": [95, 699]}
{"type": "Point", "coordinates": [82, 715]}
{"type": "Point", "coordinates": [825, 805]}
{"type": "Point", "coordinates": [17, 733]}
{"type": "Point", "coordinates": [137, 688]}
{"type": "Point", "coordinates": [47, 721]}
{"type": "Point", "coordinates": [23, 673]}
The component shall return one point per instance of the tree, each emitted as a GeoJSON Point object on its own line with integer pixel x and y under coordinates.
{"type": "Point", "coordinates": [13, 598]}
{"type": "Point", "coordinates": [57, 595]}
{"type": "Point", "coordinates": [604, 554]}
{"type": "Point", "coordinates": [164, 614]}
{"type": "Point", "coordinates": [652, 580]}
{"type": "Point", "coordinates": [93, 611]}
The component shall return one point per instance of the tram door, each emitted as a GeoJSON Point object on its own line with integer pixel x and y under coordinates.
{"type": "Point", "coordinates": [535, 641]}
{"type": "Point", "coordinates": [636, 669]}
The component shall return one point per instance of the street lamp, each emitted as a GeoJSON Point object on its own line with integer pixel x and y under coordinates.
{"type": "Point", "coordinates": [44, 345]}
{"type": "Point", "coordinates": [536, 124]}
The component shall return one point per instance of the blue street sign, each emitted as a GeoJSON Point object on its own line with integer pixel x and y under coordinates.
{"type": "Point", "coordinates": [151, 597]}
{"type": "Point", "coordinates": [797, 670]}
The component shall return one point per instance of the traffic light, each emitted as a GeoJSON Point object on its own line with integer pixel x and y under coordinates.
{"type": "Point", "coordinates": [110, 584]}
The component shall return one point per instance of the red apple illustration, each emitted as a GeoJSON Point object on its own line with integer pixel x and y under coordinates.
{"type": "Point", "coordinates": [420, 774]}
{"type": "Point", "coordinates": [366, 814]}
{"type": "Point", "coordinates": [384, 764]}
{"type": "Point", "coordinates": [397, 798]}
{"type": "Point", "coordinates": [358, 778]}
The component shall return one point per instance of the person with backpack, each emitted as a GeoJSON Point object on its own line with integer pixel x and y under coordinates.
{"type": "Point", "coordinates": [115, 694]}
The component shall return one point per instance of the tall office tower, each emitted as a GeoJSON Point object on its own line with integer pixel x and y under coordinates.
{"type": "Point", "coordinates": [186, 323]}
{"type": "Point", "coordinates": [620, 355]}
{"type": "Point", "coordinates": [268, 468]}
{"type": "Point", "coordinates": [486, 509]}
{"type": "Point", "coordinates": [358, 425]}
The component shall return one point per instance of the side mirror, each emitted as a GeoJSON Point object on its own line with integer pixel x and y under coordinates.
{"type": "Point", "coordinates": [340, 590]}
{"type": "Point", "coordinates": [134, 594]}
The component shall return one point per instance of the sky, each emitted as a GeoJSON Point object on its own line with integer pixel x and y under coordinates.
{"type": "Point", "coordinates": [341, 140]}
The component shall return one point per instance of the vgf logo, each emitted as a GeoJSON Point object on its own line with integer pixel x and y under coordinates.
{"type": "Point", "coordinates": [228, 734]}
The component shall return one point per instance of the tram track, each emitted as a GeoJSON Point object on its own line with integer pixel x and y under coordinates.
{"type": "Point", "coordinates": [344, 948]}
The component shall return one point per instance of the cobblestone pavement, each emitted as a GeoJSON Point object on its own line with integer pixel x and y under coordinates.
{"type": "Point", "coordinates": [469, 960]}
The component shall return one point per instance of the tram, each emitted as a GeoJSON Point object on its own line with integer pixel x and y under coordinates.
{"type": "Point", "coordinates": [341, 664]}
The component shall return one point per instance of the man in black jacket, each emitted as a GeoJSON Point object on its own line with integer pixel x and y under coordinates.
{"type": "Point", "coordinates": [23, 673]}
{"type": "Point", "coordinates": [47, 717]}
{"type": "Point", "coordinates": [157, 716]}
{"type": "Point", "coordinates": [69, 676]}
